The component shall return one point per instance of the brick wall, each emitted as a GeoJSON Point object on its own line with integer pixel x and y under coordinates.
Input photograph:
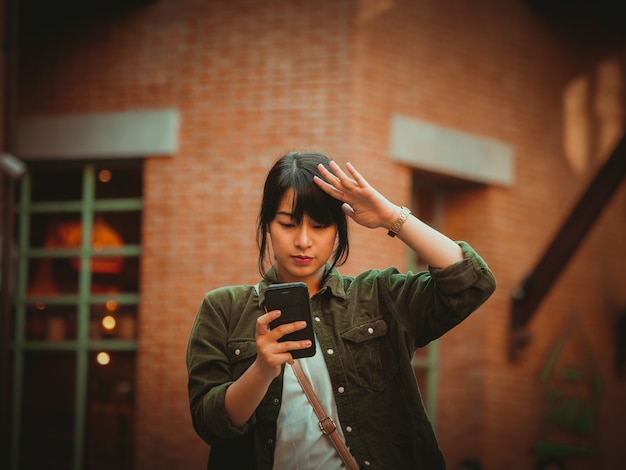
{"type": "Point", "coordinates": [255, 79]}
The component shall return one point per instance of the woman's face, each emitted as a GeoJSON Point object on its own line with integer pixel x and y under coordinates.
{"type": "Point", "coordinates": [301, 250]}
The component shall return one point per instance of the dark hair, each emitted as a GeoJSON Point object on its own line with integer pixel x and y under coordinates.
{"type": "Point", "coordinates": [295, 171]}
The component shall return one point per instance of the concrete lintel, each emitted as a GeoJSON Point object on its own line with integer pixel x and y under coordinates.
{"type": "Point", "coordinates": [102, 135]}
{"type": "Point", "coordinates": [450, 152]}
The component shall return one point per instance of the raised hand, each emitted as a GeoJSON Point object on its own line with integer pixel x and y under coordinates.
{"type": "Point", "coordinates": [369, 208]}
{"type": "Point", "coordinates": [362, 202]}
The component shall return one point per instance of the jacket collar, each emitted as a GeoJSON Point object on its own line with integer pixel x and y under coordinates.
{"type": "Point", "coordinates": [333, 283]}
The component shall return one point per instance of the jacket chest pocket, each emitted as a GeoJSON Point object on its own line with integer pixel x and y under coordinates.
{"type": "Point", "coordinates": [241, 355]}
{"type": "Point", "coordinates": [371, 357]}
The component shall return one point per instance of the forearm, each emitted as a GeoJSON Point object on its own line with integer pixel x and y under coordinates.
{"type": "Point", "coordinates": [432, 246]}
{"type": "Point", "coordinates": [245, 394]}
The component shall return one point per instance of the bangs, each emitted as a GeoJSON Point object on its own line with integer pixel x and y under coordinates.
{"type": "Point", "coordinates": [296, 176]}
{"type": "Point", "coordinates": [318, 205]}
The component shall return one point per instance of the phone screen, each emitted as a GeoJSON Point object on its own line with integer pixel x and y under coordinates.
{"type": "Point", "coordinates": [292, 299]}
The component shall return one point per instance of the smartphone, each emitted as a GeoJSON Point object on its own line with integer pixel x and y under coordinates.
{"type": "Point", "coordinates": [292, 299]}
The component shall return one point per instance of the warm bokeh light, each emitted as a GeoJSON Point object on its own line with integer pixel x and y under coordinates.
{"type": "Point", "coordinates": [103, 358]}
{"type": "Point", "coordinates": [104, 176]}
{"type": "Point", "coordinates": [108, 322]}
{"type": "Point", "coordinates": [111, 305]}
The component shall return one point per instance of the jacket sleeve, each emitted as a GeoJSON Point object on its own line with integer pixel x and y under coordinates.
{"type": "Point", "coordinates": [209, 370]}
{"type": "Point", "coordinates": [431, 303]}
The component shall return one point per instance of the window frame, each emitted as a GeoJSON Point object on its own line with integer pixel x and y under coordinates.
{"type": "Point", "coordinates": [428, 362]}
{"type": "Point", "coordinates": [82, 345]}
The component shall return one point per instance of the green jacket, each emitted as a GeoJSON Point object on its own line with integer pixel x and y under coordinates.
{"type": "Point", "coordinates": [368, 328]}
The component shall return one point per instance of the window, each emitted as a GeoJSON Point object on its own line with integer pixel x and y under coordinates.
{"type": "Point", "coordinates": [427, 205]}
{"type": "Point", "coordinates": [74, 332]}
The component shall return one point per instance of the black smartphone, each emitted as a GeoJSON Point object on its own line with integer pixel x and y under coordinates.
{"type": "Point", "coordinates": [292, 299]}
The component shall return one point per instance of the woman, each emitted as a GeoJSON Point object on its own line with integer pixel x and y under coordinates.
{"type": "Point", "coordinates": [250, 408]}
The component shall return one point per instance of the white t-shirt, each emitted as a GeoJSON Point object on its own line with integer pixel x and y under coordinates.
{"type": "Point", "coordinates": [300, 444]}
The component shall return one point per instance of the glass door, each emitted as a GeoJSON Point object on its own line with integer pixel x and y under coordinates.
{"type": "Point", "coordinates": [75, 315]}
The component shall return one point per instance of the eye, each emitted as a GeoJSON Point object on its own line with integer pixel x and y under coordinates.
{"type": "Point", "coordinates": [320, 225]}
{"type": "Point", "coordinates": [287, 224]}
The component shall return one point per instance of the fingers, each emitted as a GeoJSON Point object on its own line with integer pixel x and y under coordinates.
{"type": "Point", "coordinates": [288, 346]}
{"type": "Point", "coordinates": [269, 341]}
{"type": "Point", "coordinates": [360, 200]}
{"type": "Point", "coordinates": [330, 183]}
{"type": "Point", "coordinates": [263, 325]}
{"type": "Point", "coordinates": [341, 177]}
{"type": "Point", "coordinates": [327, 187]}
{"type": "Point", "coordinates": [360, 181]}
{"type": "Point", "coordinates": [263, 322]}
{"type": "Point", "coordinates": [336, 178]}
{"type": "Point", "coordinates": [348, 210]}
{"type": "Point", "coordinates": [336, 184]}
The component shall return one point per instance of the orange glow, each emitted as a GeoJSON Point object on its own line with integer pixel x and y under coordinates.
{"type": "Point", "coordinates": [70, 233]}
{"type": "Point", "coordinates": [104, 176]}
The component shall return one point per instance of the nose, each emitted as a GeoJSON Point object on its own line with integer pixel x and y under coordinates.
{"type": "Point", "coordinates": [303, 236]}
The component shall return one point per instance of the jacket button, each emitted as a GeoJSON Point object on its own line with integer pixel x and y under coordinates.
{"type": "Point", "coordinates": [276, 401]}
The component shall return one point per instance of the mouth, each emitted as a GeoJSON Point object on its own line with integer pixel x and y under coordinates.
{"type": "Point", "coordinates": [301, 259]}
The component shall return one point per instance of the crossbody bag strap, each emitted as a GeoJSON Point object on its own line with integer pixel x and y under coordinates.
{"type": "Point", "coordinates": [326, 423]}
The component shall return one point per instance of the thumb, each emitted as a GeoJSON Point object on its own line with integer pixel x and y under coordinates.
{"type": "Point", "coordinates": [347, 209]}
